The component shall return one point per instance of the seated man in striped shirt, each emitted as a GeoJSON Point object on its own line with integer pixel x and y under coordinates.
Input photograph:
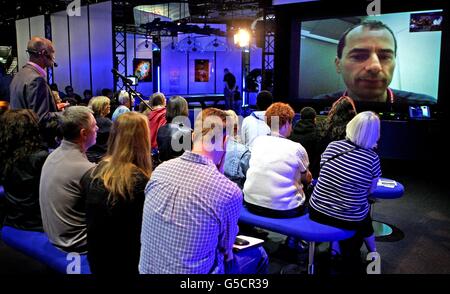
{"type": "Point", "coordinates": [191, 211]}
{"type": "Point", "coordinates": [349, 172]}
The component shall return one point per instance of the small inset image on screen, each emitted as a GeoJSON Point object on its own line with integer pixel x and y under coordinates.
{"type": "Point", "coordinates": [426, 22]}
{"type": "Point", "coordinates": [419, 112]}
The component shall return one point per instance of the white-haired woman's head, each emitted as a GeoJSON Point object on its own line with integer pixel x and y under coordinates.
{"type": "Point", "coordinates": [124, 97]}
{"type": "Point", "coordinates": [364, 130]}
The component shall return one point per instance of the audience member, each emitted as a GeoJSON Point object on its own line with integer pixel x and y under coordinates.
{"type": "Point", "coordinates": [100, 105]}
{"type": "Point", "coordinates": [29, 88]}
{"type": "Point", "coordinates": [87, 96]}
{"type": "Point", "coordinates": [125, 104]}
{"type": "Point", "coordinates": [333, 127]}
{"type": "Point", "coordinates": [21, 159]}
{"type": "Point", "coordinates": [197, 208]}
{"type": "Point", "coordinates": [142, 108]}
{"type": "Point", "coordinates": [108, 93]}
{"type": "Point", "coordinates": [71, 96]}
{"type": "Point", "coordinates": [255, 125]}
{"type": "Point", "coordinates": [57, 95]}
{"type": "Point", "coordinates": [61, 196]}
{"type": "Point", "coordinates": [349, 172]}
{"type": "Point", "coordinates": [157, 116]}
{"type": "Point", "coordinates": [51, 133]}
{"type": "Point", "coordinates": [238, 155]}
{"type": "Point", "coordinates": [115, 198]}
{"type": "Point", "coordinates": [174, 137]}
{"type": "Point", "coordinates": [5, 81]}
{"type": "Point", "coordinates": [305, 132]}
{"type": "Point", "coordinates": [278, 169]}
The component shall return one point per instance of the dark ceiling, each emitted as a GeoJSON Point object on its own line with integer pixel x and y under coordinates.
{"type": "Point", "coordinates": [200, 10]}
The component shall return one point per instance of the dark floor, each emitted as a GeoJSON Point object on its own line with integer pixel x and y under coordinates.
{"type": "Point", "coordinates": [422, 215]}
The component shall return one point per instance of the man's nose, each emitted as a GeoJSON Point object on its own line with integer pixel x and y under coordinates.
{"type": "Point", "coordinates": [373, 64]}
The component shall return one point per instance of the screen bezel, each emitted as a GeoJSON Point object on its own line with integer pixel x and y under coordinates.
{"type": "Point", "coordinates": [288, 43]}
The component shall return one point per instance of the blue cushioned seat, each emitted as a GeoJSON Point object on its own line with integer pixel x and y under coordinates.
{"type": "Point", "coordinates": [301, 227]}
{"type": "Point", "coordinates": [37, 245]}
{"type": "Point", "coordinates": [383, 192]}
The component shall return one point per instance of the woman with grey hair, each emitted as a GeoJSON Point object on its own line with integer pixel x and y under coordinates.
{"type": "Point", "coordinates": [349, 172]}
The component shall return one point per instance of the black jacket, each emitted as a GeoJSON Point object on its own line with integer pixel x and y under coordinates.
{"type": "Point", "coordinates": [305, 133]}
{"type": "Point", "coordinates": [166, 134]}
{"type": "Point", "coordinates": [113, 231]}
{"type": "Point", "coordinates": [22, 193]}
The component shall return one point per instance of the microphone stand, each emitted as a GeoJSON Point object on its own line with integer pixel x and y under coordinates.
{"type": "Point", "coordinates": [128, 85]}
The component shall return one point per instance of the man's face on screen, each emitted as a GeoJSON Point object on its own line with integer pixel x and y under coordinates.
{"type": "Point", "coordinates": [367, 63]}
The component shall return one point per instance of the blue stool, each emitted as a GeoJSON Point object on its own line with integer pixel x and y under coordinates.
{"type": "Point", "coordinates": [37, 245]}
{"type": "Point", "coordinates": [301, 227]}
{"type": "Point", "coordinates": [386, 189]}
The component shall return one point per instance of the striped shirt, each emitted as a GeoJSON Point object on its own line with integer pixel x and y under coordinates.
{"type": "Point", "coordinates": [190, 218]}
{"type": "Point", "coordinates": [344, 182]}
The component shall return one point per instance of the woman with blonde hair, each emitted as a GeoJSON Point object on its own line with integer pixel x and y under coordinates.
{"type": "Point", "coordinates": [101, 106]}
{"type": "Point", "coordinates": [115, 197]}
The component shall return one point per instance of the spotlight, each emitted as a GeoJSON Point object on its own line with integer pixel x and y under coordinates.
{"type": "Point", "coordinates": [242, 38]}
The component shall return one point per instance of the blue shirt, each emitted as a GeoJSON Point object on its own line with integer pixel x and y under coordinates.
{"type": "Point", "coordinates": [190, 218]}
{"type": "Point", "coordinates": [344, 182]}
{"type": "Point", "coordinates": [119, 110]}
{"type": "Point", "coordinates": [236, 163]}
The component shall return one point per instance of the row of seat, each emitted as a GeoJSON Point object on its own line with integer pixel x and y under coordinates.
{"type": "Point", "coordinates": [37, 246]}
{"type": "Point", "coordinates": [302, 228]}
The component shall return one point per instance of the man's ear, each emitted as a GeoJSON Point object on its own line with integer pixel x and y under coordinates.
{"type": "Point", "coordinates": [83, 133]}
{"type": "Point", "coordinates": [337, 62]}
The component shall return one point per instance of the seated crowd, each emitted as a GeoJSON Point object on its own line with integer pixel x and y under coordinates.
{"type": "Point", "coordinates": [98, 191]}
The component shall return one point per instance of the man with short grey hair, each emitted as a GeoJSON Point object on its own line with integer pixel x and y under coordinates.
{"type": "Point", "coordinates": [61, 195]}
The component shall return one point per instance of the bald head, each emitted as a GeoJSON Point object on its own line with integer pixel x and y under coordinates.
{"type": "Point", "coordinates": [41, 51]}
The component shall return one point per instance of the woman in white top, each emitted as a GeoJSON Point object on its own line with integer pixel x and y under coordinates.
{"type": "Point", "coordinates": [278, 169]}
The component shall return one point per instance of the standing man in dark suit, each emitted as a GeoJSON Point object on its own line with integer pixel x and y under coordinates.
{"type": "Point", "coordinates": [29, 88]}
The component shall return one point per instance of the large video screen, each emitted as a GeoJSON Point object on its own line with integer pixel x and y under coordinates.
{"type": "Point", "coordinates": [371, 67]}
